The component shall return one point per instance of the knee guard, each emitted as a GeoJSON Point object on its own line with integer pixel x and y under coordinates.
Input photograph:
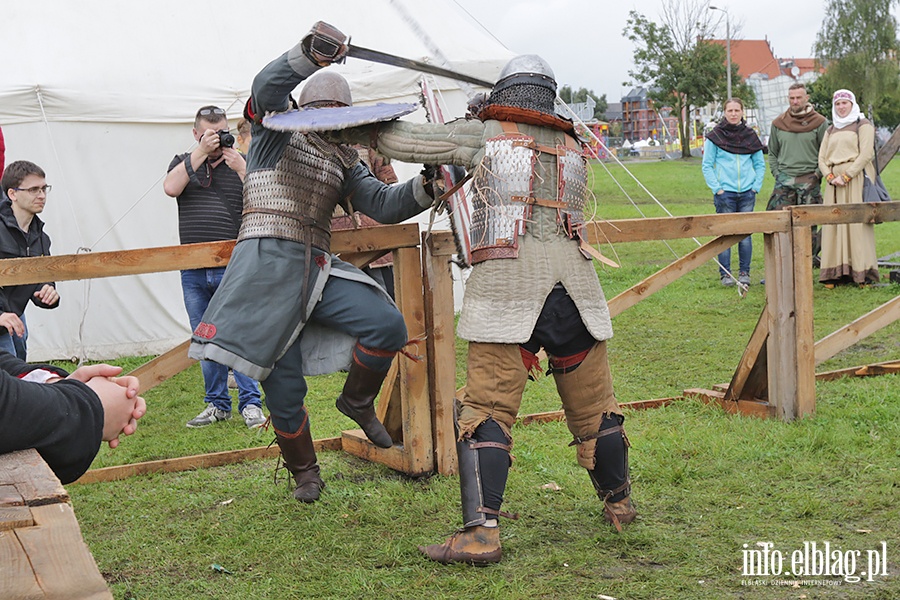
{"type": "Point", "coordinates": [484, 462]}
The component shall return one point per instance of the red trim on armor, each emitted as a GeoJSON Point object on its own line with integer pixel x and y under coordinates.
{"type": "Point", "coordinates": [525, 115]}
{"type": "Point", "coordinates": [562, 364]}
{"type": "Point", "coordinates": [531, 362]}
{"type": "Point", "coordinates": [207, 331]}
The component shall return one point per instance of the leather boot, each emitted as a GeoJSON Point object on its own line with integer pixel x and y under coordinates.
{"type": "Point", "coordinates": [478, 545]}
{"type": "Point", "coordinates": [299, 456]}
{"type": "Point", "coordinates": [621, 512]}
{"type": "Point", "coordinates": [357, 401]}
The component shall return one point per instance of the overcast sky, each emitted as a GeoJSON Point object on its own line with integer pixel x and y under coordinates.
{"type": "Point", "coordinates": [591, 52]}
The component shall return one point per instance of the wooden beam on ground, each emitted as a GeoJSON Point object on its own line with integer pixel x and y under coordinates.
{"type": "Point", "coordinates": [805, 399]}
{"type": "Point", "coordinates": [559, 415]}
{"type": "Point", "coordinates": [861, 328]}
{"type": "Point", "coordinates": [781, 346]}
{"type": "Point", "coordinates": [754, 353]}
{"type": "Point", "coordinates": [198, 461]}
{"type": "Point", "coordinates": [441, 348]}
{"type": "Point", "coordinates": [882, 368]}
{"type": "Point", "coordinates": [94, 265]}
{"type": "Point", "coordinates": [670, 273]}
{"type": "Point", "coordinates": [878, 212]}
{"type": "Point", "coordinates": [669, 228]}
{"type": "Point", "coordinates": [164, 367]}
{"type": "Point", "coordinates": [355, 442]}
{"type": "Point", "coordinates": [747, 408]}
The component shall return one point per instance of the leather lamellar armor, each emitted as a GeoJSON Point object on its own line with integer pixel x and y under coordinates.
{"type": "Point", "coordinates": [295, 200]}
{"type": "Point", "coordinates": [504, 194]}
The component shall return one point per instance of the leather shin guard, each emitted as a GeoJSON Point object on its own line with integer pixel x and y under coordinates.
{"type": "Point", "coordinates": [483, 471]}
{"type": "Point", "coordinates": [357, 401]}
{"type": "Point", "coordinates": [610, 475]}
{"type": "Point", "coordinates": [299, 456]}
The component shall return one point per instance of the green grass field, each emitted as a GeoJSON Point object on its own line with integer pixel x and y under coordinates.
{"type": "Point", "coordinates": [706, 483]}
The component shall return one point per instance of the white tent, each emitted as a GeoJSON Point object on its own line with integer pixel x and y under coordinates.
{"type": "Point", "coordinates": [102, 95]}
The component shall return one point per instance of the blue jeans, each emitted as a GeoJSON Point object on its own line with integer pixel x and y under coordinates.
{"type": "Point", "coordinates": [14, 344]}
{"type": "Point", "coordinates": [198, 286]}
{"type": "Point", "coordinates": [736, 202]}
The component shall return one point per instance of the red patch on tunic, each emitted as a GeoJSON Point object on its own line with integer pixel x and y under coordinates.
{"type": "Point", "coordinates": [321, 261]}
{"type": "Point", "coordinates": [206, 331]}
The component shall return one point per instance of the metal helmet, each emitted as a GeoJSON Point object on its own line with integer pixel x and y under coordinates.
{"type": "Point", "coordinates": [325, 87]}
{"type": "Point", "coordinates": [526, 69]}
{"type": "Point", "coordinates": [526, 82]}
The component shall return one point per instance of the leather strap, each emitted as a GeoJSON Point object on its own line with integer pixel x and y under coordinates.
{"type": "Point", "coordinates": [477, 445]}
{"type": "Point", "coordinates": [499, 513]}
{"type": "Point", "coordinates": [599, 434]}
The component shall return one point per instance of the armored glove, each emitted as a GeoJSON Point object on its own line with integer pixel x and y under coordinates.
{"type": "Point", "coordinates": [325, 44]}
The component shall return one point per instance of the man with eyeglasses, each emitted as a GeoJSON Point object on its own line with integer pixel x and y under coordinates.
{"type": "Point", "coordinates": [25, 192]}
{"type": "Point", "coordinates": [208, 183]}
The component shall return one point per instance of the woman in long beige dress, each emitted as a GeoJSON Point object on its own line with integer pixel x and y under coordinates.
{"type": "Point", "coordinates": [848, 250]}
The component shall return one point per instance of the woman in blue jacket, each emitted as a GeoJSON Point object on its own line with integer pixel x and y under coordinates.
{"type": "Point", "coordinates": [733, 168]}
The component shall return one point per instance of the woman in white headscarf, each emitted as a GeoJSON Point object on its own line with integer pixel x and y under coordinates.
{"type": "Point", "coordinates": [848, 250]}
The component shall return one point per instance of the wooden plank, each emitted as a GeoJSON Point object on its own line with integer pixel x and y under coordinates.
{"type": "Point", "coordinates": [669, 228]}
{"type": "Point", "coordinates": [199, 461]}
{"type": "Point", "coordinates": [31, 476]}
{"type": "Point", "coordinates": [417, 428]}
{"type": "Point", "coordinates": [389, 408]}
{"type": "Point", "coordinates": [744, 407]}
{"type": "Point", "coordinates": [68, 267]}
{"type": "Point", "coordinates": [164, 367]}
{"type": "Point", "coordinates": [861, 328]}
{"type": "Point", "coordinates": [440, 243]}
{"type": "Point", "coordinates": [13, 517]}
{"type": "Point", "coordinates": [559, 415]}
{"type": "Point", "coordinates": [750, 357]}
{"type": "Point", "coordinates": [670, 273]}
{"type": "Point", "coordinates": [16, 577]}
{"type": "Point", "coordinates": [781, 346]}
{"type": "Point", "coordinates": [10, 496]}
{"type": "Point", "coordinates": [811, 214]}
{"type": "Point", "coordinates": [805, 398]}
{"type": "Point", "coordinates": [59, 557]}
{"type": "Point", "coordinates": [441, 348]}
{"type": "Point", "coordinates": [361, 260]}
{"type": "Point", "coordinates": [355, 442]}
{"type": "Point", "coordinates": [889, 150]}
{"type": "Point", "coordinates": [881, 368]}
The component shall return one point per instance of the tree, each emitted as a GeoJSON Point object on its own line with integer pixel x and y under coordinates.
{"type": "Point", "coordinates": [676, 60]}
{"type": "Point", "coordinates": [569, 97]}
{"type": "Point", "coordinates": [858, 46]}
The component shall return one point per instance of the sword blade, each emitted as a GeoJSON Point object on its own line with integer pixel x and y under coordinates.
{"type": "Point", "coordinates": [415, 65]}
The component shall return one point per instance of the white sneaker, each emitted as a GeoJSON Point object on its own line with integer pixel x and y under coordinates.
{"type": "Point", "coordinates": [253, 416]}
{"type": "Point", "coordinates": [210, 415]}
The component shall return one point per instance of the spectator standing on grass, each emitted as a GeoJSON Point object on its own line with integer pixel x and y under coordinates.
{"type": "Point", "coordinates": [22, 234]}
{"type": "Point", "coordinates": [209, 183]}
{"type": "Point", "coordinates": [794, 142]}
{"type": "Point", "coordinates": [733, 167]}
{"type": "Point", "coordinates": [848, 249]}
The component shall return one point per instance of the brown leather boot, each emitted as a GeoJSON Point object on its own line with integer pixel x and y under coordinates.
{"type": "Point", "coordinates": [619, 513]}
{"type": "Point", "coordinates": [299, 456]}
{"type": "Point", "coordinates": [479, 546]}
{"type": "Point", "coordinates": [357, 401]}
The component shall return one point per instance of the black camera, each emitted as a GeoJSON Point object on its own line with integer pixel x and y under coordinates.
{"type": "Point", "coordinates": [226, 140]}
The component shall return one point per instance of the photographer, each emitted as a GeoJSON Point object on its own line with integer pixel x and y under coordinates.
{"type": "Point", "coordinates": [209, 183]}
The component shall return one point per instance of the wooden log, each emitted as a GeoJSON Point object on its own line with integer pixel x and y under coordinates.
{"type": "Point", "coordinates": [670, 273]}
{"type": "Point", "coordinates": [861, 328]}
{"type": "Point", "coordinates": [810, 214]}
{"type": "Point", "coordinates": [889, 150]}
{"type": "Point", "coordinates": [669, 228]}
{"type": "Point", "coordinates": [781, 346]}
{"type": "Point", "coordinates": [59, 557]}
{"type": "Point", "coordinates": [164, 367]}
{"type": "Point", "coordinates": [754, 353]}
{"type": "Point", "coordinates": [418, 438]}
{"type": "Point", "coordinates": [441, 348]}
{"type": "Point", "coordinates": [805, 398]}
{"type": "Point", "coordinates": [882, 368]}
{"type": "Point", "coordinates": [199, 461]}
{"type": "Point", "coordinates": [68, 267]}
